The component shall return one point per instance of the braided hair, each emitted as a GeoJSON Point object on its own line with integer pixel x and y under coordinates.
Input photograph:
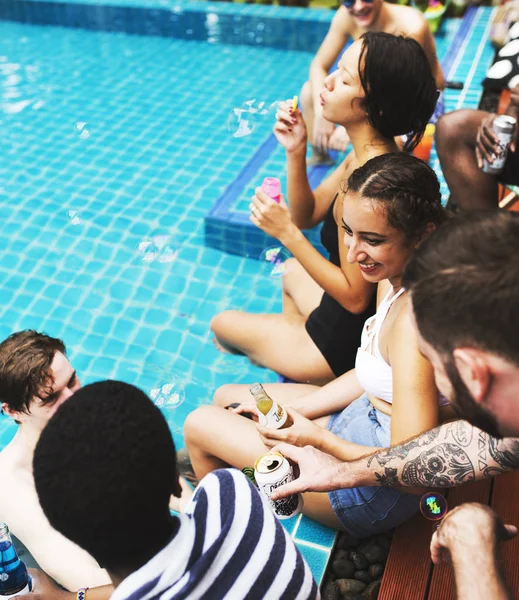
{"type": "Point", "coordinates": [408, 188]}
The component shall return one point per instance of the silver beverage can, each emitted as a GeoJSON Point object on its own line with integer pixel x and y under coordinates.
{"type": "Point", "coordinates": [271, 471]}
{"type": "Point", "coordinates": [504, 127]}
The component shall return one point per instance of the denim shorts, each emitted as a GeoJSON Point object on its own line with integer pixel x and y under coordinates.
{"type": "Point", "coordinates": [365, 511]}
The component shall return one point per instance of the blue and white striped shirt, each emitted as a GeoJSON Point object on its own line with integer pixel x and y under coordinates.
{"type": "Point", "coordinates": [228, 544]}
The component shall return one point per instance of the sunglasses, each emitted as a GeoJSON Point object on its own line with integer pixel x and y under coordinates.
{"type": "Point", "coordinates": [350, 3]}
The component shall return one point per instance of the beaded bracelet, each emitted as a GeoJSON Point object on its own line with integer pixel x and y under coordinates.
{"type": "Point", "coordinates": [81, 594]}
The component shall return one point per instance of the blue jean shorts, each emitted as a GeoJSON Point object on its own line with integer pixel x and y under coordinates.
{"type": "Point", "coordinates": [365, 511]}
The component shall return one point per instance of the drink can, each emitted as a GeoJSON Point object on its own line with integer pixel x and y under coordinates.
{"type": "Point", "coordinates": [504, 127]}
{"type": "Point", "coordinates": [271, 471]}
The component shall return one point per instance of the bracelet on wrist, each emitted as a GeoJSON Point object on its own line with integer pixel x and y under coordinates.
{"type": "Point", "coordinates": [81, 593]}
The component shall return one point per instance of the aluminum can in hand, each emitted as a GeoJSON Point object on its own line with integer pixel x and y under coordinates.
{"type": "Point", "coordinates": [504, 127]}
{"type": "Point", "coordinates": [271, 471]}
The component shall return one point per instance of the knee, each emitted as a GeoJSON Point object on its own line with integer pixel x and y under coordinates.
{"type": "Point", "coordinates": [454, 129]}
{"type": "Point", "coordinates": [290, 274]}
{"type": "Point", "coordinates": [221, 323]}
{"type": "Point", "coordinates": [306, 97]}
{"type": "Point", "coordinates": [222, 395]}
{"type": "Point", "coordinates": [195, 424]}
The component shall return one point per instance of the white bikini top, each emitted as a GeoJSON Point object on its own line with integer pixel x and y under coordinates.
{"type": "Point", "coordinates": [373, 372]}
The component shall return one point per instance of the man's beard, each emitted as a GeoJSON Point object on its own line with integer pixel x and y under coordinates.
{"type": "Point", "coordinates": [465, 405]}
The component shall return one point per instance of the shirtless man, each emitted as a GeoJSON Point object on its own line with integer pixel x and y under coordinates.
{"type": "Point", "coordinates": [35, 379]}
{"type": "Point", "coordinates": [353, 19]}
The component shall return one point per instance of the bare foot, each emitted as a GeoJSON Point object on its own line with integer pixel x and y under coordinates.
{"type": "Point", "coordinates": [339, 140]}
{"type": "Point", "coordinates": [179, 504]}
{"type": "Point", "coordinates": [320, 159]}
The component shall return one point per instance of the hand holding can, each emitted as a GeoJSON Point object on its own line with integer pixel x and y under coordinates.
{"type": "Point", "coordinates": [271, 471]}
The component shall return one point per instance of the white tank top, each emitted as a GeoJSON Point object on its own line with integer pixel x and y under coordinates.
{"type": "Point", "coordinates": [373, 372]}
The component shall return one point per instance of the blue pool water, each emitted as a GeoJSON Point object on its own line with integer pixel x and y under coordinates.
{"type": "Point", "coordinates": [151, 160]}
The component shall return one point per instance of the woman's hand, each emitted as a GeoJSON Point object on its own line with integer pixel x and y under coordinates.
{"type": "Point", "coordinates": [290, 128]}
{"type": "Point", "coordinates": [302, 433]}
{"type": "Point", "coordinates": [273, 218]}
{"type": "Point", "coordinates": [246, 408]}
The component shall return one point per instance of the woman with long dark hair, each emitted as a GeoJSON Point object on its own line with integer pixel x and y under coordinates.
{"type": "Point", "coordinates": [383, 88]}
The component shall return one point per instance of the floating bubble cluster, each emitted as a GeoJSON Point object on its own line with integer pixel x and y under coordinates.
{"type": "Point", "coordinates": [82, 130]}
{"type": "Point", "coordinates": [160, 248]}
{"type": "Point", "coordinates": [433, 506]}
{"type": "Point", "coordinates": [242, 121]}
{"type": "Point", "coordinates": [74, 216]}
{"type": "Point", "coordinates": [168, 396]}
{"type": "Point", "coordinates": [274, 260]}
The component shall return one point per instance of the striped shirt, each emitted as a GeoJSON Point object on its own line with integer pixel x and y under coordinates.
{"type": "Point", "coordinates": [228, 544]}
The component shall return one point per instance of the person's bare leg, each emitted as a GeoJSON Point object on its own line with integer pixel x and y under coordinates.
{"type": "Point", "coordinates": [282, 393]}
{"type": "Point", "coordinates": [307, 108]}
{"type": "Point", "coordinates": [456, 134]}
{"type": "Point", "coordinates": [301, 294]}
{"type": "Point", "coordinates": [278, 342]}
{"type": "Point", "coordinates": [217, 438]}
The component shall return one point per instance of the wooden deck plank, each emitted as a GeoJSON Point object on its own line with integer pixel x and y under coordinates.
{"type": "Point", "coordinates": [408, 566]}
{"type": "Point", "coordinates": [505, 503]}
{"type": "Point", "coordinates": [442, 581]}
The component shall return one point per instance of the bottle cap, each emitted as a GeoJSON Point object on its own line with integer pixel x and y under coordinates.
{"type": "Point", "coordinates": [272, 187]}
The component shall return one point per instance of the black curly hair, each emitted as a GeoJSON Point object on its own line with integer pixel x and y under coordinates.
{"type": "Point", "coordinates": [408, 188]}
{"type": "Point", "coordinates": [104, 470]}
{"type": "Point", "coordinates": [400, 89]}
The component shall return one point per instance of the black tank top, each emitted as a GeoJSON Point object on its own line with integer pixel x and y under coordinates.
{"type": "Point", "coordinates": [333, 329]}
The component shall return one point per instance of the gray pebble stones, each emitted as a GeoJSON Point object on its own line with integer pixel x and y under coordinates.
{"type": "Point", "coordinates": [356, 568]}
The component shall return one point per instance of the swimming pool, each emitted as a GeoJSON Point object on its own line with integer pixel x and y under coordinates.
{"type": "Point", "coordinates": [109, 141]}
{"type": "Point", "coordinates": [114, 149]}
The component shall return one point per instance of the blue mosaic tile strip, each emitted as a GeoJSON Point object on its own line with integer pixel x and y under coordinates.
{"type": "Point", "coordinates": [469, 61]}
{"type": "Point", "coordinates": [274, 28]}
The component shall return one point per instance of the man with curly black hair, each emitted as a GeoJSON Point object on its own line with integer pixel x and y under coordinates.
{"type": "Point", "coordinates": [105, 469]}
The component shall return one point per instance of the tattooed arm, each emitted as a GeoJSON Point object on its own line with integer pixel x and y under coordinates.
{"type": "Point", "coordinates": [447, 456]}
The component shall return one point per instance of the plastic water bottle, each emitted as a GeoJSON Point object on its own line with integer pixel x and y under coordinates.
{"type": "Point", "coordinates": [272, 187]}
{"type": "Point", "coordinates": [14, 579]}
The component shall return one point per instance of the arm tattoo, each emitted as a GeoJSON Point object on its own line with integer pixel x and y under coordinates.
{"type": "Point", "coordinates": [447, 456]}
{"type": "Point", "coordinates": [444, 465]}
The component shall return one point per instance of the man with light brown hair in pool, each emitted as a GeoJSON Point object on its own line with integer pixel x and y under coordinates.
{"type": "Point", "coordinates": [36, 378]}
{"type": "Point", "coordinates": [353, 19]}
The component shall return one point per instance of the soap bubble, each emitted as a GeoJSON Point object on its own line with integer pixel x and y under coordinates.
{"type": "Point", "coordinates": [242, 121]}
{"type": "Point", "coordinates": [168, 396]}
{"type": "Point", "coordinates": [274, 260]}
{"type": "Point", "coordinates": [160, 248]}
{"type": "Point", "coordinates": [74, 216]}
{"type": "Point", "coordinates": [82, 129]}
{"type": "Point", "coordinates": [433, 506]}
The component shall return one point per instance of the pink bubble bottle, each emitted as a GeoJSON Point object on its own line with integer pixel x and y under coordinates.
{"type": "Point", "coordinates": [272, 187]}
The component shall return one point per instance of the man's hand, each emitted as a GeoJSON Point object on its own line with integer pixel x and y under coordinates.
{"type": "Point", "coordinates": [465, 527]}
{"type": "Point", "coordinates": [487, 144]}
{"type": "Point", "coordinates": [318, 471]}
{"type": "Point", "coordinates": [43, 588]}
